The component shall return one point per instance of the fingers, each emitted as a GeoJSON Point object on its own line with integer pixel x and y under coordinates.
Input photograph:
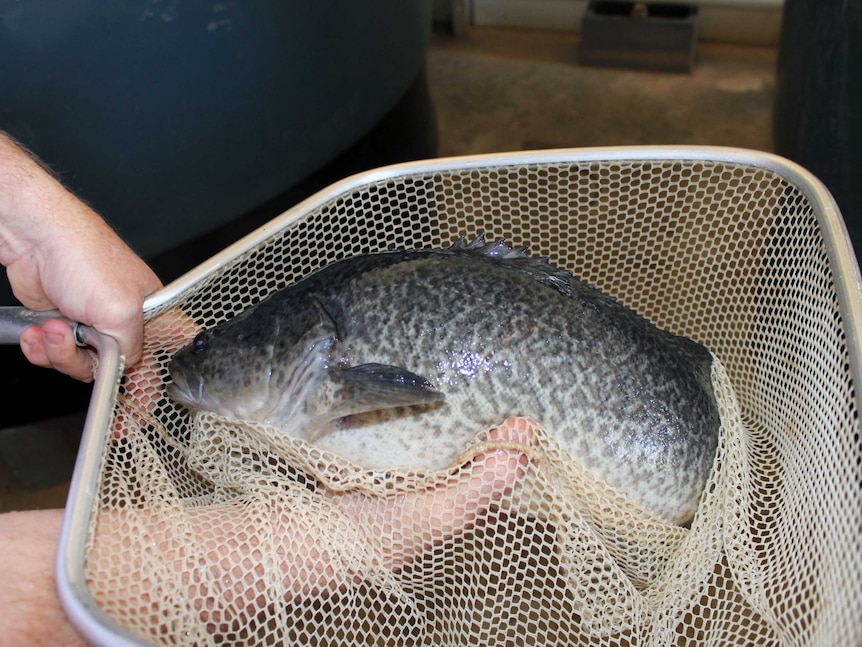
{"type": "Point", "coordinates": [53, 346]}
{"type": "Point", "coordinates": [421, 520]}
{"type": "Point", "coordinates": [233, 559]}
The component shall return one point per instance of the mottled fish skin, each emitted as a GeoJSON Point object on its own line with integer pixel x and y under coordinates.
{"type": "Point", "coordinates": [498, 334]}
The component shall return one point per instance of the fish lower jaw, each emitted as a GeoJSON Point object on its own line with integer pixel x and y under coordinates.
{"type": "Point", "coordinates": [202, 404]}
{"type": "Point", "coordinates": [181, 394]}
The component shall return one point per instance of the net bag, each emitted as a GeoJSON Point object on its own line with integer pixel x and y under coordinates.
{"type": "Point", "coordinates": [210, 531]}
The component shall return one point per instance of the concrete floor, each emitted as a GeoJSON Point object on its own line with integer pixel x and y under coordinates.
{"type": "Point", "coordinates": [510, 89]}
{"type": "Point", "coordinates": [506, 90]}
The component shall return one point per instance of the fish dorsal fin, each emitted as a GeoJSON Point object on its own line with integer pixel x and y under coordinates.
{"type": "Point", "coordinates": [497, 249]}
{"type": "Point", "coordinates": [538, 268]}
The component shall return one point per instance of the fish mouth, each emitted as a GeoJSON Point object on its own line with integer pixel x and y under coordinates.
{"type": "Point", "coordinates": [186, 389]}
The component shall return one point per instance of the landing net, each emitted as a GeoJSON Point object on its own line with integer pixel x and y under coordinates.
{"type": "Point", "coordinates": [213, 532]}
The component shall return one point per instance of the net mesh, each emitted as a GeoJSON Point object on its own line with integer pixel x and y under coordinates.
{"type": "Point", "coordinates": [210, 531]}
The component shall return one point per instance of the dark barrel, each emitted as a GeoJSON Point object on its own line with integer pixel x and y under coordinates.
{"type": "Point", "coordinates": [818, 99]}
{"type": "Point", "coordinates": [188, 123]}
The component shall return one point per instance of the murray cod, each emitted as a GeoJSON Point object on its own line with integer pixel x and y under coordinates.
{"type": "Point", "coordinates": [397, 359]}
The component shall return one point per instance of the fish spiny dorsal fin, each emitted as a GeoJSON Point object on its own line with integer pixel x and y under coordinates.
{"type": "Point", "coordinates": [539, 268]}
{"type": "Point", "coordinates": [497, 249]}
{"type": "Point", "coordinates": [500, 250]}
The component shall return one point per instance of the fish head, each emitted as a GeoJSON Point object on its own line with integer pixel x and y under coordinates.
{"type": "Point", "coordinates": [260, 365]}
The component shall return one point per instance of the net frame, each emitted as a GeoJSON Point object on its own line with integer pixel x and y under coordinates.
{"type": "Point", "coordinates": [793, 235]}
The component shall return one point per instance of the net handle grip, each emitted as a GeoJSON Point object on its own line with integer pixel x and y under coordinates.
{"type": "Point", "coordinates": [15, 319]}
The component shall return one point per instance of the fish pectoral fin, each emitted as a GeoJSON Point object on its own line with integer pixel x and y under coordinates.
{"type": "Point", "coordinates": [380, 386]}
{"type": "Point", "coordinates": [369, 387]}
{"type": "Point", "coordinates": [365, 388]}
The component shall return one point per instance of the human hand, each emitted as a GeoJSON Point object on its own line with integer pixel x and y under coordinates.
{"type": "Point", "coordinates": [232, 561]}
{"type": "Point", "coordinates": [60, 254]}
{"type": "Point", "coordinates": [33, 614]}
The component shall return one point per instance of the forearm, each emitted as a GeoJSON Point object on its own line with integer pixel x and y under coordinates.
{"type": "Point", "coordinates": [36, 210]}
{"type": "Point", "coordinates": [21, 178]}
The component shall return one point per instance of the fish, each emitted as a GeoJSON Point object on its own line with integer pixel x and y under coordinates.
{"type": "Point", "coordinates": [396, 359]}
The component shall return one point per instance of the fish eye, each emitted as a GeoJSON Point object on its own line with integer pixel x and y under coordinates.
{"type": "Point", "coordinates": [201, 342]}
